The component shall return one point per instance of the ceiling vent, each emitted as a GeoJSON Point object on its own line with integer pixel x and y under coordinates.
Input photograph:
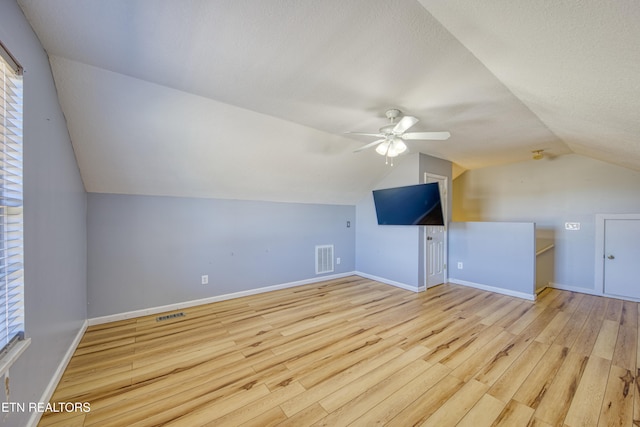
{"type": "Point", "coordinates": [324, 259]}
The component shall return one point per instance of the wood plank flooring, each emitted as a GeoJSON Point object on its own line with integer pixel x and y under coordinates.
{"type": "Point", "coordinates": [356, 352]}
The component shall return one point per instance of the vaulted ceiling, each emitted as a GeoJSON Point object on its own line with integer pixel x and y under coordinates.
{"type": "Point", "coordinates": [251, 99]}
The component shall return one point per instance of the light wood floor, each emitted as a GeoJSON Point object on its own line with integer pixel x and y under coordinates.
{"type": "Point", "coordinates": [356, 352]}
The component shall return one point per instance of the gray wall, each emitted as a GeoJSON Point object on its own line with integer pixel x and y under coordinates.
{"type": "Point", "coordinates": [395, 253]}
{"type": "Point", "coordinates": [550, 192]}
{"type": "Point", "coordinates": [55, 221]}
{"type": "Point", "coordinates": [497, 254]}
{"type": "Point", "coordinates": [148, 251]}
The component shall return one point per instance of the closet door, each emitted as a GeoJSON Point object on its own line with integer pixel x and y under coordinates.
{"type": "Point", "coordinates": [622, 257]}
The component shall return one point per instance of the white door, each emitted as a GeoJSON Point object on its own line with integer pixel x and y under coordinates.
{"type": "Point", "coordinates": [436, 239]}
{"type": "Point", "coordinates": [622, 257]}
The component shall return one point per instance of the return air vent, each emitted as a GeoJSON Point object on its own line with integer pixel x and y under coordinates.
{"type": "Point", "coordinates": [169, 316]}
{"type": "Point", "coordinates": [324, 259]}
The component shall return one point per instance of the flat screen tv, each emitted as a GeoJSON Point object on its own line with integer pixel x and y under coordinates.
{"type": "Point", "coordinates": [411, 205]}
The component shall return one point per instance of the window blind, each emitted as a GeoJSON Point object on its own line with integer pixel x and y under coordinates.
{"type": "Point", "coordinates": [11, 220]}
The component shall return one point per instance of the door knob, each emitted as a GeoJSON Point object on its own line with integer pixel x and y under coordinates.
{"type": "Point", "coordinates": [611, 257]}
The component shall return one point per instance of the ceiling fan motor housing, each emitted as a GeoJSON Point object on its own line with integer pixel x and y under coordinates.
{"type": "Point", "coordinates": [388, 129]}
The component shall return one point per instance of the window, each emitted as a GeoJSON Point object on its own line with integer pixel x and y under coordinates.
{"type": "Point", "coordinates": [11, 246]}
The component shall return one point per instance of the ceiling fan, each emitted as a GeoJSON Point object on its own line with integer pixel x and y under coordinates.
{"type": "Point", "coordinates": [394, 134]}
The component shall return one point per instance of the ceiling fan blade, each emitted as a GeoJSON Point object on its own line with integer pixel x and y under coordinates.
{"type": "Point", "coordinates": [371, 144]}
{"type": "Point", "coordinates": [404, 124]}
{"type": "Point", "coordinates": [379, 135]}
{"type": "Point", "coordinates": [436, 136]}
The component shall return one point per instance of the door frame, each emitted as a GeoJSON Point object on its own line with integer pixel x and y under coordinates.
{"type": "Point", "coordinates": [599, 250]}
{"type": "Point", "coordinates": [445, 212]}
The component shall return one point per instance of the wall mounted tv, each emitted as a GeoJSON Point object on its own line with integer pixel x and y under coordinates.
{"type": "Point", "coordinates": [411, 205]}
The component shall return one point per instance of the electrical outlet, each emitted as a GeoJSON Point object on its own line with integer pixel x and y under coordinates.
{"type": "Point", "coordinates": [205, 279]}
{"type": "Point", "coordinates": [459, 265]}
{"type": "Point", "coordinates": [338, 260]}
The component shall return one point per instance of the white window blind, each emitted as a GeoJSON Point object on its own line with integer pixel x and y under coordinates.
{"type": "Point", "coordinates": [11, 240]}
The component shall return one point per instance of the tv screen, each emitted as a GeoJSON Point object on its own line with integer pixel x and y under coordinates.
{"type": "Point", "coordinates": [411, 205]}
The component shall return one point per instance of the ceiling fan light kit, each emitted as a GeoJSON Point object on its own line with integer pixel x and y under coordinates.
{"type": "Point", "coordinates": [538, 154]}
{"type": "Point", "coordinates": [391, 148]}
{"type": "Point", "coordinates": [394, 134]}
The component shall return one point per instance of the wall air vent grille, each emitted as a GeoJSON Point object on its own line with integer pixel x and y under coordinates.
{"type": "Point", "coordinates": [169, 316]}
{"type": "Point", "coordinates": [324, 259]}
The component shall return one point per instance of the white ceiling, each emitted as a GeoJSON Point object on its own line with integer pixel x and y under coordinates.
{"type": "Point", "coordinates": [250, 99]}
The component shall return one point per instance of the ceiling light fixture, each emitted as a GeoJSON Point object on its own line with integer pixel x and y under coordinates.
{"type": "Point", "coordinates": [538, 154]}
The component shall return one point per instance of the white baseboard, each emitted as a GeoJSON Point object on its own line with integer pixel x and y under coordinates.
{"type": "Point", "coordinates": [588, 291]}
{"type": "Point", "coordinates": [53, 383]}
{"type": "Point", "coordinates": [388, 281]}
{"type": "Point", "coordinates": [575, 289]}
{"type": "Point", "coordinates": [193, 303]}
{"type": "Point", "coordinates": [509, 292]}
